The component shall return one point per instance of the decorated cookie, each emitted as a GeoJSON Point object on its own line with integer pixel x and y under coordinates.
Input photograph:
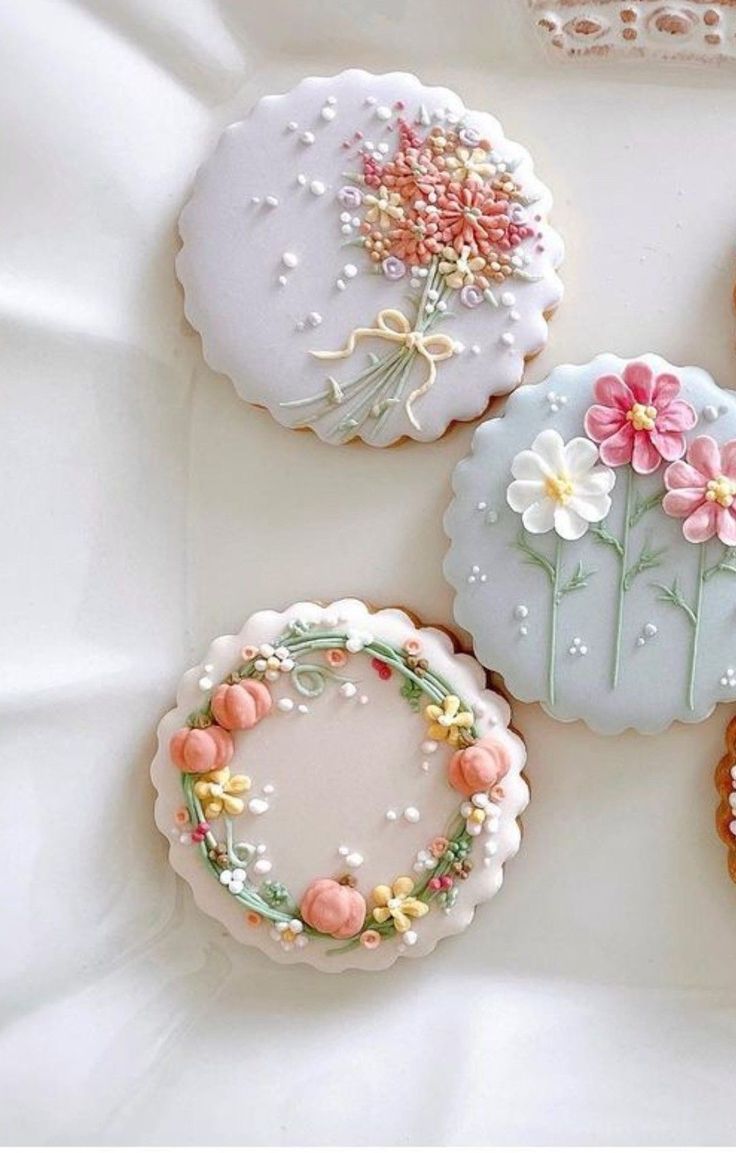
{"type": "Point", "coordinates": [338, 786]}
{"type": "Point", "coordinates": [726, 785]}
{"type": "Point", "coordinates": [594, 544]}
{"type": "Point", "coordinates": [366, 257]}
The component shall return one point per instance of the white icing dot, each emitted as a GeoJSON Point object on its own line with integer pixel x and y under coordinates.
{"type": "Point", "coordinates": [383, 112]}
{"type": "Point", "coordinates": [409, 937]}
{"type": "Point", "coordinates": [411, 814]}
{"type": "Point", "coordinates": [331, 100]}
{"type": "Point", "coordinates": [429, 747]}
{"type": "Point", "coordinates": [301, 180]}
{"type": "Point", "coordinates": [328, 113]}
{"type": "Point", "coordinates": [282, 282]}
{"type": "Point", "coordinates": [508, 299]}
{"type": "Point", "coordinates": [255, 200]}
{"type": "Point", "coordinates": [314, 319]}
{"type": "Point", "coordinates": [650, 630]}
{"type": "Point", "coordinates": [350, 271]}
{"type": "Point", "coordinates": [475, 349]}
{"type": "Point", "coordinates": [340, 285]}
{"type": "Point", "coordinates": [521, 612]}
{"type": "Point", "coordinates": [268, 790]}
{"type": "Point", "coordinates": [307, 138]}
{"type": "Point", "coordinates": [481, 506]}
{"type": "Point", "coordinates": [363, 700]}
{"type": "Point", "coordinates": [208, 668]}
{"type": "Point", "coordinates": [260, 849]}
{"type": "Point", "coordinates": [425, 766]}
{"type": "Point", "coordinates": [262, 867]}
{"type": "Point", "coordinates": [317, 188]}
{"type": "Point", "coordinates": [285, 704]}
{"type": "Point", "coordinates": [343, 850]}
{"type": "Point", "coordinates": [514, 315]}
{"type": "Point", "coordinates": [257, 806]}
{"type": "Point", "coordinates": [508, 338]}
{"type": "Point", "coordinates": [272, 201]}
{"type": "Point", "coordinates": [371, 101]}
{"type": "Point", "coordinates": [347, 690]}
{"type": "Point", "coordinates": [292, 126]}
{"type": "Point", "coordinates": [354, 860]}
{"type": "Point", "coordinates": [205, 684]}
{"type": "Point", "coordinates": [523, 630]}
{"type": "Point", "coordinates": [302, 709]}
{"type": "Point", "coordinates": [710, 412]}
{"type": "Point", "coordinates": [391, 814]}
{"type": "Point", "coordinates": [289, 259]}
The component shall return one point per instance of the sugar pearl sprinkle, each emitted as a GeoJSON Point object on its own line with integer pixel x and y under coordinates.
{"type": "Point", "coordinates": [556, 401]}
{"type": "Point", "coordinates": [728, 680]}
{"type": "Point", "coordinates": [289, 259]}
{"type": "Point", "coordinates": [352, 858]}
{"type": "Point", "coordinates": [711, 413]}
{"type": "Point", "coordinates": [476, 575]}
{"type": "Point", "coordinates": [521, 612]}
{"type": "Point", "coordinates": [648, 633]}
{"type": "Point", "coordinates": [577, 648]}
{"type": "Point", "coordinates": [412, 814]}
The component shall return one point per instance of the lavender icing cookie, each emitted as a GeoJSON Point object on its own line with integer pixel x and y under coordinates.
{"type": "Point", "coordinates": [594, 543]}
{"type": "Point", "coordinates": [338, 786]}
{"type": "Point", "coordinates": [366, 257]}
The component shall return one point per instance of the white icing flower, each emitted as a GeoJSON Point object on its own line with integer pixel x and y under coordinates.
{"type": "Point", "coordinates": [357, 639]}
{"type": "Point", "coordinates": [272, 662]}
{"type": "Point", "coordinates": [480, 812]}
{"type": "Point", "coordinates": [560, 486]}
{"type": "Point", "coordinates": [290, 934]}
{"type": "Point", "coordinates": [234, 879]}
{"type": "Point", "coordinates": [424, 860]}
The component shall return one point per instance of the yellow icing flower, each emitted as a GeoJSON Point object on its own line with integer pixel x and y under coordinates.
{"type": "Point", "coordinates": [470, 164]}
{"type": "Point", "coordinates": [393, 902]}
{"type": "Point", "coordinates": [447, 720]}
{"type": "Point", "coordinates": [461, 268]}
{"type": "Point", "coordinates": [384, 207]}
{"type": "Point", "coordinates": [219, 791]}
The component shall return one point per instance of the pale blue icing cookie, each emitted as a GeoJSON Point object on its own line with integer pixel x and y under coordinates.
{"type": "Point", "coordinates": [593, 545]}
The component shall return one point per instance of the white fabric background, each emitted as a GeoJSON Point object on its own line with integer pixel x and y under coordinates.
{"type": "Point", "coordinates": [146, 509]}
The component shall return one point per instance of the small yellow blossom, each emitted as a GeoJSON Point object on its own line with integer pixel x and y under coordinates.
{"type": "Point", "coordinates": [460, 269]}
{"type": "Point", "coordinates": [219, 791]}
{"type": "Point", "coordinates": [394, 902]}
{"type": "Point", "coordinates": [470, 164]}
{"type": "Point", "coordinates": [384, 207]}
{"type": "Point", "coordinates": [447, 720]}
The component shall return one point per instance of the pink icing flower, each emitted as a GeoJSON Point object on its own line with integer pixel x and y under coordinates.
{"type": "Point", "coordinates": [413, 646]}
{"type": "Point", "coordinates": [702, 491]}
{"type": "Point", "coordinates": [639, 419]}
{"type": "Point", "coordinates": [370, 939]}
{"type": "Point", "coordinates": [336, 658]}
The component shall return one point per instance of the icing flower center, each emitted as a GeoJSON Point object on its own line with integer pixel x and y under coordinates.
{"type": "Point", "coordinates": [642, 416]}
{"type": "Point", "coordinates": [721, 490]}
{"type": "Point", "coordinates": [559, 489]}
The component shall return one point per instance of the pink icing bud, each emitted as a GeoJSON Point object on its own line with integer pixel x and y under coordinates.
{"type": "Point", "coordinates": [332, 908]}
{"type": "Point", "coordinates": [241, 706]}
{"type": "Point", "coordinates": [479, 767]}
{"type": "Point", "coordinates": [201, 750]}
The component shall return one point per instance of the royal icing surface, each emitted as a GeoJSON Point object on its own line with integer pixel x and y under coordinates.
{"type": "Point", "coordinates": [726, 785]}
{"type": "Point", "coordinates": [594, 544]}
{"type": "Point", "coordinates": [366, 257]}
{"type": "Point", "coordinates": [338, 786]}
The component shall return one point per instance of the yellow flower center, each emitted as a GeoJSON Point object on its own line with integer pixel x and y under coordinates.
{"type": "Point", "coordinates": [722, 490]}
{"type": "Point", "coordinates": [558, 488]}
{"type": "Point", "coordinates": [642, 416]}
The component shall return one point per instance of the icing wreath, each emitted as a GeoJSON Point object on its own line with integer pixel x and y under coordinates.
{"type": "Point", "coordinates": [395, 244]}
{"type": "Point", "coordinates": [637, 462]}
{"type": "Point", "coordinates": [334, 913]}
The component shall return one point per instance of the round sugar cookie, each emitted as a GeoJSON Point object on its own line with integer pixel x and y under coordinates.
{"type": "Point", "coordinates": [726, 785]}
{"type": "Point", "coordinates": [338, 785]}
{"type": "Point", "coordinates": [593, 544]}
{"type": "Point", "coordinates": [366, 257]}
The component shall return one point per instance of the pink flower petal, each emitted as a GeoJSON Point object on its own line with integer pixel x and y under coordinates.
{"type": "Point", "coordinates": [678, 416]}
{"type": "Point", "coordinates": [726, 525]}
{"type": "Point", "coordinates": [617, 450]}
{"type": "Point", "coordinates": [639, 378]}
{"type": "Point", "coordinates": [682, 501]}
{"type": "Point", "coordinates": [611, 392]}
{"type": "Point", "coordinates": [728, 458]}
{"type": "Point", "coordinates": [682, 475]}
{"type": "Point", "coordinates": [645, 458]}
{"type": "Point", "coordinates": [701, 524]}
{"type": "Point", "coordinates": [602, 421]}
{"type": "Point", "coordinates": [666, 388]}
{"type": "Point", "coordinates": [671, 445]}
{"type": "Point", "coordinates": [705, 455]}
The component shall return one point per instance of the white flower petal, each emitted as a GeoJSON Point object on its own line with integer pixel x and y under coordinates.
{"type": "Point", "coordinates": [527, 465]}
{"type": "Point", "coordinates": [568, 524]}
{"type": "Point", "coordinates": [540, 517]}
{"type": "Point", "coordinates": [550, 446]}
{"type": "Point", "coordinates": [591, 508]}
{"type": "Point", "coordinates": [580, 456]}
{"type": "Point", "coordinates": [599, 480]}
{"type": "Point", "coordinates": [523, 493]}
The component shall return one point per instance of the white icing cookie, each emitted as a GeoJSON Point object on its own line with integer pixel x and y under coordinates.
{"type": "Point", "coordinates": [367, 258]}
{"type": "Point", "coordinates": [338, 786]}
{"type": "Point", "coordinates": [594, 544]}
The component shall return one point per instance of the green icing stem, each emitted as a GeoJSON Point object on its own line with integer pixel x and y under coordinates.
{"type": "Point", "coordinates": [696, 626]}
{"type": "Point", "coordinates": [624, 566]}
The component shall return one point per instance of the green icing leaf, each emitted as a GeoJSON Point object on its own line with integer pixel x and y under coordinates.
{"type": "Point", "coordinates": [412, 692]}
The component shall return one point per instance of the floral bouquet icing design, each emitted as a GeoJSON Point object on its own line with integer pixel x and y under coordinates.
{"type": "Point", "coordinates": [397, 223]}
{"type": "Point", "coordinates": [640, 510]}
{"type": "Point", "coordinates": [224, 821]}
